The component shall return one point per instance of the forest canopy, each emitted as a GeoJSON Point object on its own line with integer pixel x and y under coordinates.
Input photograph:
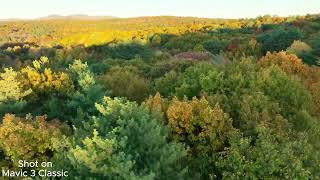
{"type": "Point", "coordinates": [163, 97]}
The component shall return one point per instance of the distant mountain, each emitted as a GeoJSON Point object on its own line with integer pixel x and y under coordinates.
{"type": "Point", "coordinates": [76, 16]}
{"type": "Point", "coordinates": [12, 19]}
{"type": "Point", "coordinates": [57, 17]}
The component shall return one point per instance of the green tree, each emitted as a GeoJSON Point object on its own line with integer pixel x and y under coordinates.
{"type": "Point", "coordinates": [214, 46]}
{"type": "Point", "coordinates": [87, 92]}
{"type": "Point", "coordinates": [188, 83]}
{"type": "Point", "coordinates": [127, 143]}
{"type": "Point", "coordinates": [268, 158]}
{"type": "Point", "coordinates": [126, 82]}
{"type": "Point", "coordinates": [279, 39]}
{"type": "Point", "coordinates": [166, 84]}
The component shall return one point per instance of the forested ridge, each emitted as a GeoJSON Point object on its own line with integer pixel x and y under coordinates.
{"type": "Point", "coordinates": [163, 97]}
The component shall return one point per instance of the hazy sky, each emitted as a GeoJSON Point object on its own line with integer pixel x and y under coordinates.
{"type": "Point", "coordinates": [133, 8]}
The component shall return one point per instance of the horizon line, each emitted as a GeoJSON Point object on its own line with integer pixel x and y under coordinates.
{"type": "Point", "coordinates": [142, 16]}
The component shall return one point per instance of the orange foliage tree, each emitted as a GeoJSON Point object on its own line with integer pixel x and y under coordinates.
{"type": "Point", "coordinates": [29, 138]}
{"type": "Point", "coordinates": [199, 125]}
{"type": "Point", "coordinates": [292, 65]}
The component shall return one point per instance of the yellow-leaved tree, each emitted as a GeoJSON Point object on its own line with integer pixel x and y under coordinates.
{"type": "Point", "coordinates": [11, 89]}
{"type": "Point", "coordinates": [40, 78]}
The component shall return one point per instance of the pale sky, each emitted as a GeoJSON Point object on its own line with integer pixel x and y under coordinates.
{"type": "Point", "coordinates": [133, 8]}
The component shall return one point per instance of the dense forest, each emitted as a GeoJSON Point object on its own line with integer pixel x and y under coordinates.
{"type": "Point", "coordinates": [163, 97]}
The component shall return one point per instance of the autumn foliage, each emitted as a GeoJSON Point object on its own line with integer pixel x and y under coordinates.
{"type": "Point", "coordinates": [29, 138]}
{"type": "Point", "coordinates": [161, 98]}
{"type": "Point", "coordinates": [198, 124]}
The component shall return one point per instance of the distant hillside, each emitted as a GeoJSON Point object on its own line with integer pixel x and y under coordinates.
{"type": "Point", "coordinates": [12, 20]}
{"type": "Point", "coordinates": [59, 17]}
{"type": "Point", "coordinates": [76, 16]}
